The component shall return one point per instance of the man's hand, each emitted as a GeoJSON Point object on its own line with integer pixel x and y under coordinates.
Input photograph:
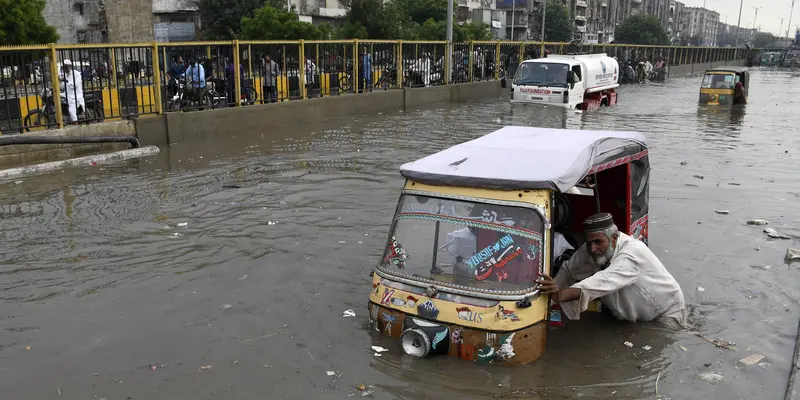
{"type": "Point", "coordinates": [548, 286]}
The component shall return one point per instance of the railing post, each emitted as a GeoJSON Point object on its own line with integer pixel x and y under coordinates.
{"type": "Point", "coordinates": [157, 78]}
{"type": "Point", "coordinates": [237, 74]}
{"type": "Point", "coordinates": [448, 61]}
{"type": "Point", "coordinates": [113, 67]}
{"type": "Point", "coordinates": [399, 61]}
{"type": "Point", "coordinates": [250, 64]}
{"type": "Point", "coordinates": [497, 61]}
{"type": "Point", "coordinates": [355, 65]}
{"type": "Point", "coordinates": [56, 85]}
{"type": "Point", "coordinates": [471, 60]}
{"type": "Point", "coordinates": [301, 73]}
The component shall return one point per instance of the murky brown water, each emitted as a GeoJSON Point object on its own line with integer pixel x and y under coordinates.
{"type": "Point", "coordinates": [93, 282]}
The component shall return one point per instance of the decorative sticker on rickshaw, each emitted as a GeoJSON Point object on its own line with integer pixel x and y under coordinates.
{"type": "Point", "coordinates": [387, 296]}
{"type": "Point", "coordinates": [389, 319]}
{"type": "Point", "coordinates": [439, 337]}
{"type": "Point", "coordinates": [428, 310]}
{"type": "Point", "coordinates": [397, 255]}
{"type": "Point", "coordinates": [495, 263]}
{"type": "Point", "coordinates": [502, 313]}
{"type": "Point", "coordinates": [466, 314]}
{"type": "Point", "coordinates": [639, 229]}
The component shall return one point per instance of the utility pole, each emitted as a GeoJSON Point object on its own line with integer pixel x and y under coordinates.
{"type": "Point", "coordinates": [739, 24]}
{"type": "Point", "coordinates": [755, 16]}
{"type": "Point", "coordinates": [449, 50]}
{"type": "Point", "coordinates": [789, 27]}
{"type": "Point", "coordinates": [781, 29]}
{"type": "Point", "coordinates": [544, 14]}
{"type": "Point", "coordinates": [513, 17]}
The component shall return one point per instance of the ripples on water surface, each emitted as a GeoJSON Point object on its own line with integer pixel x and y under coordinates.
{"type": "Point", "coordinates": [93, 282]}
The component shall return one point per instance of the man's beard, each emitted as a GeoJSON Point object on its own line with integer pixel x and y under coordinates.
{"type": "Point", "coordinates": [604, 258]}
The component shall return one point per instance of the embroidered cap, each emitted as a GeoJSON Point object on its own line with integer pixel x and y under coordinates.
{"type": "Point", "coordinates": [598, 222]}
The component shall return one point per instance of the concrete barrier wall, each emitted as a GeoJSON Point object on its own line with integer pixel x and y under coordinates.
{"type": "Point", "coordinates": [678, 71]}
{"type": "Point", "coordinates": [180, 127]}
{"type": "Point", "coordinates": [18, 155]}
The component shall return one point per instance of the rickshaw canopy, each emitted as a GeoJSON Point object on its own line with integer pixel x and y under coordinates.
{"type": "Point", "coordinates": [519, 158]}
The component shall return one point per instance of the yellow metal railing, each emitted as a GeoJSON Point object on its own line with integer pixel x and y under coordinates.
{"type": "Point", "coordinates": [139, 79]}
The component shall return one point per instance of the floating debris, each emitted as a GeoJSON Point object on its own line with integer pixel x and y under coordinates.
{"type": "Point", "coordinates": [752, 359]}
{"type": "Point", "coordinates": [775, 234]}
{"type": "Point", "coordinates": [175, 235]}
{"type": "Point", "coordinates": [701, 289]}
{"type": "Point", "coordinates": [17, 182]}
{"type": "Point", "coordinates": [792, 255]}
{"type": "Point", "coordinates": [684, 163]}
{"type": "Point", "coordinates": [757, 222]}
{"type": "Point", "coordinates": [711, 377]}
{"type": "Point", "coordinates": [683, 348]}
{"type": "Point", "coordinates": [723, 344]}
{"type": "Point", "coordinates": [723, 212]}
{"type": "Point", "coordinates": [647, 348]}
{"type": "Point", "coordinates": [379, 349]}
{"type": "Point", "coordinates": [205, 367]}
{"type": "Point", "coordinates": [226, 307]}
{"type": "Point", "coordinates": [243, 278]}
{"type": "Point", "coordinates": [183, 224]}
{"type": "Point", "coordinates": [629, 344]}
{"type": "Point", "coordinates": [272, 222]}
{"type": "Point", "coordinates": [330, 373]}
{"type": "Point", "coordinates": [698, 176]}
{"type": "Point", "coordinates": [734, 184]}
{"type": "Point", "coordinates": [348, 313]}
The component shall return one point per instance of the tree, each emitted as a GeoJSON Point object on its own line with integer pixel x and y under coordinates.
{"type": "Point", "coordinates": [475, 31]}
{"type": "Point", "coordinates": [763, 40]}
{"type": "Point", "coordinates": [381, 20]}
{"type": "Point", "coordinates": [22, 22]}
{"type": "Point", "coordinates": [270, 23]}
{"type": "Point", "coordinates": [222, 19]}
{"type": "Point", "coordinates": [558, 26]}
{"type": "Point", "coordinates": [641, 29]}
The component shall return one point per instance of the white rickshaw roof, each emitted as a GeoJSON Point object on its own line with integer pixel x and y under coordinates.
{"type": "Point", "coordinates": [518, 158]}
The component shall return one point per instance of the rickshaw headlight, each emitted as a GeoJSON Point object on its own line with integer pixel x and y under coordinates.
{"type": "Point", "coordinates": [415, 343]}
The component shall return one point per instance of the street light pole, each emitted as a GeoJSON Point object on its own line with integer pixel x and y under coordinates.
{"type": "Point", "coordinates": [739, 24]}
{"type": "Point", "coordinates": [544, 14]}
{"type": "Point", "coordinates": [754, 18]}
{"type": "Point", "coordinates": [449, 50]}
{"type": "Point", "coordinates": [513, 17]}
{"type": "Point", "coordinates": [789, 27]}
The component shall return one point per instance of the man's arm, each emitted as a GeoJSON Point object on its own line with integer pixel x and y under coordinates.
{"type": "Point", "coordinates": [623, 271]}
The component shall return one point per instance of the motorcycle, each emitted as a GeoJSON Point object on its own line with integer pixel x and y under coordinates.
{"type": "Point", "coordinates": [46, 116]}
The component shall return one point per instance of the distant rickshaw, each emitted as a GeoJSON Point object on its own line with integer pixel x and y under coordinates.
{"type": "Point", "coordinates": [719, 86]}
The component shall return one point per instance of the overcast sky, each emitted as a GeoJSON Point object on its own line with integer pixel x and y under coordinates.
{"type": "Point", "coordinates": [769, 16]}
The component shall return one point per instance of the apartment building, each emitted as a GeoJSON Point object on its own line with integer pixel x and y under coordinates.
{"type": "Point", "coordinates": [702, 24]}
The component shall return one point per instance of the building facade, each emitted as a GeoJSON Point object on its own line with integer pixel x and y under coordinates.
{"type": "Point", "coordinates": [700, 26]}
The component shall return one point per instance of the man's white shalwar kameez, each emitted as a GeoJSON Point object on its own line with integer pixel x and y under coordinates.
{"type": "Point", "coordinates": [635, 286]}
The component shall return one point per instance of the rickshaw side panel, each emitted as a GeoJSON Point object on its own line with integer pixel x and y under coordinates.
{"type": "Point", "coordinates": [640, 198]}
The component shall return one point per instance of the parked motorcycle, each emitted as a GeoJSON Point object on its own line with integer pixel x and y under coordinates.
{"type": "Point", "coordinates": [47, 116]}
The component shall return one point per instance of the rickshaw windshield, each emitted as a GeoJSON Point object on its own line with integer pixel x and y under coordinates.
{"type": "Point", "coordinates": [718, 81]}
{"type": "Point", "coordinates": [468, 245]}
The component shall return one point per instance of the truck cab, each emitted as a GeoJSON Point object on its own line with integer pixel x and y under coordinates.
{"type": "Point", "coordinates": [584, 81]}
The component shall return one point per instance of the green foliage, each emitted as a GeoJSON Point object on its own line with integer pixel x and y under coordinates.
{"type": "Point", "coordinates": [21, 22]}
{"type": "Point", "coordinates": [559, 25]}
{"type": "Point", "coordinates": [641, 29]}
{"type": "Point", "coordinates": [270, 23]}
{"type": "Point", "coordinates": [222, 19]}
{"type": "Point", "coordinates": [762, 40]}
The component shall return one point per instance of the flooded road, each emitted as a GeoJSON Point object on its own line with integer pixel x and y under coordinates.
{"type": "Point", "coordinates": [105, 295]}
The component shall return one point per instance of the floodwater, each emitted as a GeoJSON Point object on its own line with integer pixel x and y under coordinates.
{"type": "Point", "coordinates": [105, 296]}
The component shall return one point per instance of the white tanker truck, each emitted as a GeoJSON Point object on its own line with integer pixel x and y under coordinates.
{"type": "Point", "coordinates": [584, 81]}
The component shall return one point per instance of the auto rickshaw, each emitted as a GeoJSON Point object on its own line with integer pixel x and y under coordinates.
{"type": "Point", "coordinates": [474, 229]}
{"type": "Point", "coordinates": [719, 85]}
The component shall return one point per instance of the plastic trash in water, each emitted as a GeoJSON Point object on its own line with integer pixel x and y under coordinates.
{"type": "Point", "coordinates": [330, 373]}
{"type": "Point", "coordinates": [183, 224]}
{"type": "Point", "coordinates": [752, 359]}
{"type": "Point", "coordinates": [701, 289]}
{"type": "Point", "coordinates": [757, 222]}
{"type": "Point", "coordinates": [723, 212]}
{"type": "Point", "coordinates": [792, 255]}
{"type": "Point", "coordinates": [711, 377]}
{"type": "Point", "coordinates": [175, 235]}
{"type": "Point", "coordinates": [379, 349]}
{"type": "Point", "coordinates": [775, 234]}
{"type": "Point", "coordinates": [348, 313]}
{"type": "Point", "coordinates": [629, 344]}
{"type": "Point", "coordinates": [647, 347]}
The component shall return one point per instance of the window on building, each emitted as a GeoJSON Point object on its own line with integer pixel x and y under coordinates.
{"type": "Point", "coordinates": [78, 8]}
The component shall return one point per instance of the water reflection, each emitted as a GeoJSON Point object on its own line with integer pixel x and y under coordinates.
{"type": "Point", "coordinates": [95, 282]}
